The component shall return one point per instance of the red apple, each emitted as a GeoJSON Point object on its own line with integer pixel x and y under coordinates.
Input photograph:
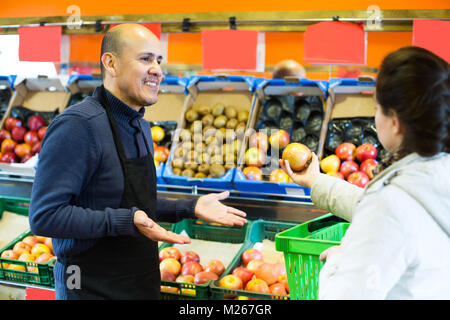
{"type": "Point", "coordinates": [189, 256]}
{"type": "Point", "coordinates": [204, 277]}
{"type": "Point", "coordinates": [254, 264]}
{"type": "Point", "coordinates": [297, 155]}
{"type": "Point", "coordinates": [259, 140]}
{"type": "Point", "coordinates": [8, 145]}
{"type": "Point", "coordinates": [189, 278]}
{"type": "Point", "coordinates": [167, 275]}
{"type": "Point", "coordinates": [8, 157]}
{"type": "Point", "coordinates": [366, 151]}
{"type": "Point", "coordinates": [253, 173]}
{"type": "Point", "coordinates": [170, 265]}
{"type": "Point", "coordinates": [36, 148]}
{"type": "Point", "coordinates": [251, 254]}
{"type": "Point", "coordinates": [35, 123]}
{"type": "Point", "coordinates": [215, 266]}
{"type": "Point", "coordinates": [161, 153]}
{"type": "Point", "coordinates": [358, 178]}
{"type": "Point", "coordinates": [21, 247]}
{"type": "Point", "coordinates": [169, 252]}
{"type": "Point", "coordinates": [231, 281]}
{"type": "Point", "coordinates": [18, 133]}
{"type": "Point", "coordinates": [9, 254]}
{"type": "Point", "coordinates": [23, 149]}
{"type": "Point", "coordinates": [254, 157]}
{"type": "Point", "coordinates": [244, 274]}
{"type": "Point", "coordinates": [330, 163]}
{"type": "Point", "coordinates": [336, 174]}
{"type": "Point", "coordinates": [26, 158]}
{"type": "Point", "coordinates": [346, 151]}
{"type": "Point", "coordinates": [41, 132]}
{"type": "Point", "coordinates": [45, 257]}
{"type": "Point", "coordinates": [278, 289]}
{"type": "Point", "coordinates": [283, 280]}
{"type": "Point", "coordinates": [278, 175]}
{"type": "Point", "coordinates": [12, 122]}
{"type": "Point", "coordinates": [268, 273]}
{"type": "Point", "coordinates": [348, 167]}
{"type": "Point", "coordinates": [280, 268]}
{"type": "Point", "coordinates": [31, 240]}
{"type": "Point", "coordinates": [31, 138]}
{"type": "Point", "coordinates": [4, 134]}
{"type": "Point", "coordinates": [257, 285]}
{"type": "Point", "coordinates": [48, 242]}
{"type": "Point", "coordinates": [368, 166]}
{"type": "Point", "coordinates": [191, 267]}
{"type": "Point", "coordinates": [279, 139]}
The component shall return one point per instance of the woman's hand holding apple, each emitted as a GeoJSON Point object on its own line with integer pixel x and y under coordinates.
{"type": "Point", "coordinates": [307, 176]}
{"type": "Point", "coordinates": [155, 232]}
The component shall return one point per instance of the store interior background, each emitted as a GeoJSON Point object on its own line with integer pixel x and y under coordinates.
{"type": "Point", "coordinates": [185, 49]}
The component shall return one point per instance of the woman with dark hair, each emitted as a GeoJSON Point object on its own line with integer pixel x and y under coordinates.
{"type": "Point", "coordinates": [397, 245]}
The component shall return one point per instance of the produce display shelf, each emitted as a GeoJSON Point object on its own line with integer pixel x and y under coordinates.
{"type": "Point", "coordinates": [302, 246]}
{"type": "Point", "coordinates": [259, 231]}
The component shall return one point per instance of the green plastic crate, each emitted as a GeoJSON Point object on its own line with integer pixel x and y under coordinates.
{"type": "Point", "coordinates": [14, 204]}
{"type": "Point", "coordinates": [259, 231]}
{"type": "Point", "coordinates": [43, 276]}
{"type": "Point", "coordinates": [197, 229]}
{"type": "Point", "coordinates": [302, 246]}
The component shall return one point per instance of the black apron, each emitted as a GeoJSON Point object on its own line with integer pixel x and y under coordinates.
{"type": "Point", "coordinates": [123, 267]}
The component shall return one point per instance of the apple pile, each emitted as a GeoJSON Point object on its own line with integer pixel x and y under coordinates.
{"type": "Point", "coordinates": [186, 268]}
{"type": "Point", "coordinates": [210, 143]}
{"type": "Point", "coordinates": [19, 141]}
{"type": "Point", "coordinates": [255, 275]}
{"type": "Point", "coordinates": [30, 249]}
{"type": "Point", "coordinates": [160, 153]}
{"type": "Point", "coordinates": [351, 163]}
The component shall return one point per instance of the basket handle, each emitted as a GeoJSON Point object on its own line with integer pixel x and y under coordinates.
{"type": "Point", "coordinates": [323, 223]}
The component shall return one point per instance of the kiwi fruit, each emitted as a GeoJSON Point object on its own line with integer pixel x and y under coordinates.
{"type": "Point", "coordinates": [223, 131]}
{"type": "Point", "coordinates": [203, 158]}
{"type": "Point", "coordinates": [204, 110]}
{"type": "Point", "coordinates": [204, 168]}
{"type": "Point", "coordinates": [178, 163]}
{"type": "Point", "coordinates": [191, 165]}
{"type": "Point", "coordinates": [178, 152]}
{"type": "Point", "coordinates": [216, 170]}
{"type": "Point", "coordinates": [232, 123]}
{"type": "Point", "coordinates": [220, 121]}
{"type": "Point", "coordinates": [216, 159]}
{"type": "Point", "coordinates": [199, 147]}
{"type": "Point", "coordinates": [242, 116]}
{"type": "Point", "coordinates": [188, 173]}
{"type": "Point", "coordinates": [208, 120]}
{"type": "Point", "coordinates": [187, 145]}
{"type": "Point", "coordinates": [230, 112]}
{"type": "Point", "coordinates": [196, 127]}
{"type": "Point", "coordinates": [229, 166]}
{"type": "Point", "coordinates": [208, 130]}
{"type": "Point", "coordinates": [191, 115]}
{"type": "Point", "coordinates": [177, 171]}
{"type": "Point", "coordinates": [218, 110]}
{"type": "Point", "coordinates": [200, 175]}
{"type": "Point", "coordinates": [198, 137]}
{"type": "Point", "coordinates": [210, 140]}
{"type": "Point", "coordinates": [185, 135]}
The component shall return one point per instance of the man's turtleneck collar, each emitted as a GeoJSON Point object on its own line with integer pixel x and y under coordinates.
{"type": "Point", "coordinates": [121, 109]}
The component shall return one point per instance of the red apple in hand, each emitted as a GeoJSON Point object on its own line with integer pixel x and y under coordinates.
{"type": "Point", "coordinates": [359, 179]}
{"type": "Point", "coordinates": [215, 266]}
{"type": "Point", "coordinates": [348, 167]}
{"type": "Point", "coordinates": [189, 256]}
{"type": "Point", "coordinates": [279, 139]}
{"type": "Point", "coordinates": [297, 155]}
{"type": "Point", "coordinates": [251, 254]}
{"type": "Point", "coordinates": [18, 133]}
{"type": "Point", "coordinates": [368, 166]}
{"type": "Point", "coordinates": [259, 140]}
{"type": "Point", "coordinates": [191, 267]}
{"type": "Point", "coordinates": [244, 274]}
{"type": "Point", "coordinates": [204, 277]}
{"type": "Point", "coordinates": [366, 151]}
{"type": "Point", "coordinates": [35, 123]}
{"type": "Point", "coordinates": [169, 252]}
{"type": "Point", "coordinates": [12, 122]}
{"type": "Point", "coordinates": [346, 151]}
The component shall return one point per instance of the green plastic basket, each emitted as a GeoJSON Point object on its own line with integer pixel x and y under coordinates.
{"type": "Point", "coordinates": [43, 276]}
{"type": "Point", "coordinates": [302, 246]}
{"type": "Point", "coordinates": [14, 204]}
{"type": "Point", "coordinates": [197, 229]}
{"type": "Point", "coordinates": [259, 231]}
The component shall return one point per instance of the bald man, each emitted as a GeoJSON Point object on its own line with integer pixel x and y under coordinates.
{"type": "Point", "coordinates": [94, 191]}
{"type": "Point", "coordinates": [289, 68]}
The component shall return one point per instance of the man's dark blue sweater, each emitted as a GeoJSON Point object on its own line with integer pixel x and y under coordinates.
{"type": "Point", "coordinates": [78, 185]}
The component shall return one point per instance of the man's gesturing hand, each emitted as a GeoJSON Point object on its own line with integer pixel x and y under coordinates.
{"type": "Point", "coordinates": [155, 232]}
{"type": "Point", "coordinates": [210, 209]}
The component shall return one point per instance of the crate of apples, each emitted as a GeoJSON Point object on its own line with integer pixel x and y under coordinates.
{"type": "Point", "coordinates": [254, 278]}
{"type": "Point", "coordinates": [30, 259]}
{"type": "Point", "coordinates": [182, 274]}
{"type": "Point", "coordinates": [355, 164]}
{"type": "Point", "coordinates": [20, 141]}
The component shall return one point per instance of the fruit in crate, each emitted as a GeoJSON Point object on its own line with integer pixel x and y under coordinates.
{"type": "Point", "coordinates": [253, 173]}
{"type": "Point", "coordinates": [253, 265]}
{"type": "Point", "coordinates": [22, 150]}
{"type": "Point", "coordinates": [191, 267]}
{"type": "Point", "coordinates": [257, 285]}
{"type": "Point", "coordinates": [231, 282]}
{"type": "Point", "coordinates": [348, 167]}
{"type": "Point", "coordinates": [189, 278]}
{"type": "Point", "coordinates": [35, 123]}
{"type": "Point", "coordinates": [31, 138]}
{"type": "Point", "coordinates": [21, 247]}
{"type": "Point", "coordinates": [158, 133]}
{"type": "Point", "coordinates": [12, 122]}
{"type": "Point", "coordinates": [18, 134]}
{"type": "Point", "coordinates": [254, 157]}
{"type": "Point", "coordinates": [279, 139]}
{"type": "Point", "coordinates": [4, 134]}
{"type": "Point", "coordinates": [167, 275]}
{"type": "Point", "coordinates": [336, 174]}
{"type": "Point", "coordinates": [169, 252]}
{"type": "Point", "coordinates": [278, 289]}
{"type": "Point", "coordinates": [204, 277]}
{"type": "Point", "coordinates": [31, 240]}
{"type": "Point", "coordinates": [366, 151]}
{"type": "Point", "coordinates": [330, 163]}
{"type": "Point", "coordinates": [367, 166]}
{"type": "Point", "coordinates": [278, 175]}
{"type": "Point", "coordinates": [259, 140]}
{"type": "Point", "coordinates": [346, 151]}
{"type": "Point", "coordinates": [189, 256]}
{"type": "Point", "coordinates": [251, 254]}
{"type": "Point", "coordinates": [8, 145]}
{"type": "Point", "coordinates": [297, 155]}
{"type": "Point", "coordinates": [244, 274]}
{"type": "Point", "coordinates": [39, 248]}
{"type": "Point", "coordinates": [358, 178]}
{"type": "Point", "coordinates": [170, 265]}
{"type": "Point", "coordinates": [215, 266]}
{"type": "Point", "coordinates": [8, 157]}
{"type": "Point", "coordinates": [9, 254]}
{"type": "Point", "coordinates": [267, 272]}
{"type": "Point", "coordinates": [41, 132]}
